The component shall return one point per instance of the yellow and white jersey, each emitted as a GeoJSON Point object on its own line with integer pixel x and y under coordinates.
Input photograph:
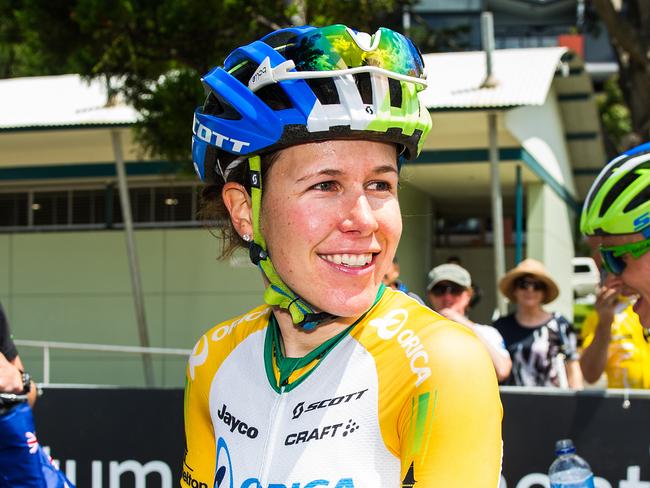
{"type": "Point", "coordinates": [628, 353]}
{"type": "Point", "coordinates": [405, 398]}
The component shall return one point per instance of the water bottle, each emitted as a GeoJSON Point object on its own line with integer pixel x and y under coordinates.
{"type": "Point", "coordinates": [569, 470]}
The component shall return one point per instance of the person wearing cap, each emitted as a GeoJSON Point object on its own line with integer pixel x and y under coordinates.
{"type": "Point", "coordinates": [450, 294]}
{"type": "Point", "coordinates": [542, 345]}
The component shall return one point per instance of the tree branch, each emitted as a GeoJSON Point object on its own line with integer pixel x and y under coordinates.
{"type": "Point", "coordinates": [264, 21]}
{"type": "Point", "coordinates": [621, 32]}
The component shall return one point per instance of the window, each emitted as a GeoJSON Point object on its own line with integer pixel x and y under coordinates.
{"type": "Point", "coordinates": [100, 207]}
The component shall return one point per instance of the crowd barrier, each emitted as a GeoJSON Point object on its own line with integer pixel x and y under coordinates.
{"type": "Point", "coordinates": [133, 438]}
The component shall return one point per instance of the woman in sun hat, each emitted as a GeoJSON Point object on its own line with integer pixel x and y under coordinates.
{"type": "Point", "coordinates": [542, 345]}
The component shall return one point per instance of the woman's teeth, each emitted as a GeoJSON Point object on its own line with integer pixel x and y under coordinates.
{"type": "Point", "coordinates": [353, 260]}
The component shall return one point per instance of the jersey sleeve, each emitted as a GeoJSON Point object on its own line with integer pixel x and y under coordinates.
{"type": "Point", "coordinates": [199, 462]}
{"type": "Point", "coordinates": [450, 431]}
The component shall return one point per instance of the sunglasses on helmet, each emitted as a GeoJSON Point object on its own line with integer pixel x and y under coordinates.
{"type": "Point", "coordinates": [338, 50]}
{"type": "Point", "coordinates": [613, 255]}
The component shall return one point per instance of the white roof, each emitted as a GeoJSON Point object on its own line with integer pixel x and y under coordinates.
{"type": "Point", "coordinates": [523, 77]}
{"type": "Point", "coordinates": [59, 101]}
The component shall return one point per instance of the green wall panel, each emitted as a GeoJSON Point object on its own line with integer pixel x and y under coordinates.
{"type": "Point", "coordinates": [76, 287]}
{"type": "Point", "coordinates": [413, 250]}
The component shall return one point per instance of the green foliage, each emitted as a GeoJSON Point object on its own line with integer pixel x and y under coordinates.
{"type": "Point", "coordinates": [154, 51]}
{"type": "Point", "coordinates": [614, 113]}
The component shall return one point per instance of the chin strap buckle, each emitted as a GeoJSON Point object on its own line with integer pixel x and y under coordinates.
{"type": "Point", "coordinates": [256, 253]}
{"type": "Point", "coordinates": [313, 320]}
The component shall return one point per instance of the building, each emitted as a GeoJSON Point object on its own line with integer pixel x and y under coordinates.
{"type": "Point", "coordinates": [63, 241]}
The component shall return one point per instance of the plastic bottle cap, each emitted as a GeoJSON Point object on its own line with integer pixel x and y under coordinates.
{"type": "Point", "coordinates": [564, 446]}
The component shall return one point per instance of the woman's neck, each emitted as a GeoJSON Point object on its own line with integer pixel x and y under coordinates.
{"type": "Point", "coordinates": [531, 316]}
{"type": "Point", "coordinates": [298, 342]}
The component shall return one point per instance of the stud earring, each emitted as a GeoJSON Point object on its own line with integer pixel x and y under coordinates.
{"type": "Point", "coordinates": [246, 237]}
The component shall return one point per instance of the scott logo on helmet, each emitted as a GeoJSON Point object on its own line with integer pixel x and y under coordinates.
{"type": "Point", "coordinates": [642, 221]}
{"type": "Point", "coordinates": [216, 139]}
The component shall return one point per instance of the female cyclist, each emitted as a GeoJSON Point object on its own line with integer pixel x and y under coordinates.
{"type": "Point", "coordinates": [336, 380]}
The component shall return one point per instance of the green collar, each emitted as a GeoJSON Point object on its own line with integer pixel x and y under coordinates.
{"type": "Point", "coordinates": [273, 348]}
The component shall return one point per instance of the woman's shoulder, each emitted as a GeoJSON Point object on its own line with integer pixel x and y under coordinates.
{"type": "Point", "coordinates": [415, 327]}
{"type": "Point", "coordinates": [231, 332]}
{"type": "Point", "coordinates": [220, 340]}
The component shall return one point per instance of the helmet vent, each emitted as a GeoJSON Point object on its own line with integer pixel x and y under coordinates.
{"type": "Point", "coordinates": [616, 191]}
{"type": "Point", "coordinates": [325, 90]}
{"type": "Point", "coordinates": [643, 196]}
{"type": "Point", "coordinates": [274, 97]}
{"type": "Point", "coordinates": [364, 85]}
{"type": "Point", "coordinates": [395, 90]}
{"type": "Point", "coordinates": [215, 105]}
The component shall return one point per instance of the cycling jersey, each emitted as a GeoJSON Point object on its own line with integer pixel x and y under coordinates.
{"type": "Point", "coordinates": [403, 398]}
{"type": "Point", "coordinates": [628, 354]}
{"type": "Point", "coordinates": [23, 463]}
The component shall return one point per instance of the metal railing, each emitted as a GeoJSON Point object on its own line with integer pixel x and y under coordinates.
{"type": "Point", "coordinates": [74, 346]}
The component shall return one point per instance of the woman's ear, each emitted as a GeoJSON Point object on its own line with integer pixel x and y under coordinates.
{"type": "Point", "coordinates": [239, 205]}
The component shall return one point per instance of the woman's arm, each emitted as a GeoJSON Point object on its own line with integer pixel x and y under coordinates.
{"type": "Point", "coordinates": [461, 436]}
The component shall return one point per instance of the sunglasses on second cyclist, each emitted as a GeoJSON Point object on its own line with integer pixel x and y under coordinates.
{"type": "Point", "coordinates": [529, 284]}
{"type": "Point", "coordinates": [613, 255]}
{"type": "Point", "coordinates": [443, 288]}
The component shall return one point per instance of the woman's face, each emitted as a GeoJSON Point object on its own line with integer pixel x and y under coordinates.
{"type": "Point", "coordinates": [529, 292]}
{"type": "Point", "coordinates": [331, 220]}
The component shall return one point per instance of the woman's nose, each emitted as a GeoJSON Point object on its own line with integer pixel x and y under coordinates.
{"type": "Point", "coordinates": [360, 217]}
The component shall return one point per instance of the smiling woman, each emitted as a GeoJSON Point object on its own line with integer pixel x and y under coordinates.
{"type": "Point", "coordinates": [342, 381]}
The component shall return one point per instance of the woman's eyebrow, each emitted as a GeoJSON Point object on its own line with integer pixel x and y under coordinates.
{"type": "Point", "coordinates": [384, 168]}
{"type": "Point", "coordinates": [322, 172]}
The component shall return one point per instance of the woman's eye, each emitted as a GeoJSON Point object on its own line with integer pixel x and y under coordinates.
{"type": "Point", "coordinates": [325, 186]}
{"type": "Point", "coordinates": [381, 186]}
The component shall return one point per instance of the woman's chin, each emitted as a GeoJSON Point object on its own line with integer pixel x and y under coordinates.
{"type": "Point", "coordinates": [350, 307]}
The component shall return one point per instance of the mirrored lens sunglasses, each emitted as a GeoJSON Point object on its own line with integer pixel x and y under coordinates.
{"type": "Point", "coordinates": [336, 50]}
{"type": "Point", "coordinates": [613, 256]}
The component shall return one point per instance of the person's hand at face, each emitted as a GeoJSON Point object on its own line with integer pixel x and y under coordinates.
{"type": "Point", "coordinates": [10, 377]}
{"type": "Point", "coordinates": [635, 273]}
{"type": "Point", "coordinates": [607, 299]}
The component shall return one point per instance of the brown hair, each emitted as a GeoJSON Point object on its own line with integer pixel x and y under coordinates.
{"type": "Point", "coordinates": [213, 211]}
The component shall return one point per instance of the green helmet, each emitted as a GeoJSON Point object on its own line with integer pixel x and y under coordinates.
{"type": "Point", "coordinates": [618, 201]}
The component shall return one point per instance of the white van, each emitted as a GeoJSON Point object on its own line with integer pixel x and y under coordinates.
{"type": "Point", "coordinates": [586, 277]}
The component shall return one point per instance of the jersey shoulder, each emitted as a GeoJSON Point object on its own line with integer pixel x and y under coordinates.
{"type": "Point", "coordinates": [218, 342]}
{"type": "Point", "coordinates": [405, 335]}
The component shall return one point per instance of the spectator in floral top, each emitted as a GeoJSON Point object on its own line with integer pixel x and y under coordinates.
{"type": "Point", "coordinates": [542, 345]}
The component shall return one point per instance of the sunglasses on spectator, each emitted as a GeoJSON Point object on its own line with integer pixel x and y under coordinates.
{"type": "Point", "coordinates": [443, 288]}
{"type": "Point", "coordinates": [528, 284]}
{"type": "Point", "coordinates": [613, 255]}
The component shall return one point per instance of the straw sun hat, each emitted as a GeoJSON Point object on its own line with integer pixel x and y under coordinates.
{"type": "Point", "coordinates": [533, 268]}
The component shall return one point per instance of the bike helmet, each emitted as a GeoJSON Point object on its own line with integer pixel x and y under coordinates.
{"type": "Point", "coordinates": [618, 202]}
{"type": "Point", "coordinates": [306, 84]}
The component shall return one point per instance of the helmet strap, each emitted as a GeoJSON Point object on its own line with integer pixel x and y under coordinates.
{"type": "Point", "coordinates": [277, 293]}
